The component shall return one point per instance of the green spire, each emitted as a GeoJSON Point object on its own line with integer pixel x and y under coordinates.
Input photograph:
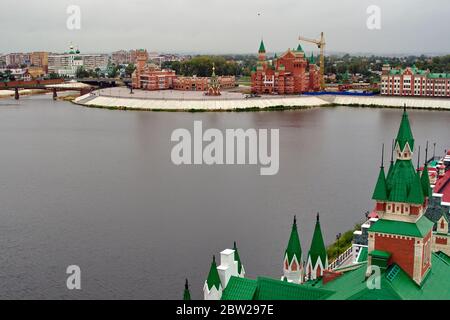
{"type": "Point", "coordinates": [186, 294]}
{"type": "Point", "coordinates": [317, 249]}
{"type": "Point", "coordinates": [275, 56]}
{"type": "Point", "coordinates": [380, 192]}
{"type": "Point", "coordinates": [262, 48]}
{"type": "Point", "coordinates": [425, 180]}
{"type": "Point", "coordinates": [299, 48]}
{"type": "Point", "coordinates": [404, 132]}
{"type": "Point", "coordinates": [294, 248]}
{"type": "Point", "coordinates": [312, 60]}
{"type": "Point", "coordinates": [416, 194]}
{"type": "Point", "coordinates": [237, 258]}
{"type": "Point", "coordinates": [213, 276]}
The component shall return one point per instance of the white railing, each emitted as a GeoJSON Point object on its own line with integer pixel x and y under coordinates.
{"type": "Point", "coordinates": [343, 257]}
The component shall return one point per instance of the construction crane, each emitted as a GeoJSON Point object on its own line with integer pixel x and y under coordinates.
{"type": "Point", "coordinates": [321, 45]}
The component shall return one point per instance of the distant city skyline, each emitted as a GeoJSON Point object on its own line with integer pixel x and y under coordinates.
{"type": "Point", "coordinates": [219, 27]}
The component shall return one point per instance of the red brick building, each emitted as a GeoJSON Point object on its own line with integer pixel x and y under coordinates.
{"type": "Point", "coordinates": [414, 82]}
{"type": "Point", "coordinates": [291, 73]}
{"type": "Point", "coordinates": [151, 77]}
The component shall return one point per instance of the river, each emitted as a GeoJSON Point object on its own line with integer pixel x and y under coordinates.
{"type": "Point", "coordinates": [96, 188]}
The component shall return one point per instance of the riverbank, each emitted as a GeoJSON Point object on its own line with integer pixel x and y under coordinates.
{"type": "Point", "coordinates": [121, 98]}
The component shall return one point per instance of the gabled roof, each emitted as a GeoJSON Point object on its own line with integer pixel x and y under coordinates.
{"type": "Point", "coordinates": [418, 229]}
{"type": "Point", "coordinates": [294, 248]}
{"type": "Point", "coordinates": [317, 249]}
{"type": "Point", "coordinates": [213, 276]}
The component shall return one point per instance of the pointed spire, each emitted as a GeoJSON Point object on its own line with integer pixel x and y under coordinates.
{"type": "Point", "coordinates": [237, 258]}
{"type": "Point", "coordinates": [404, 134]}
{"type": "Point", "coordinates": [317, 250]}
{"type": "Point", "coordinates": [299, 48]}
{"type": "Point", "coordinates": [294, 248]}
{"type": "Point", "coordinates": [425, 178]}
{"type": "Point", "coordinates": [426, 153]}
{"type": "Point", "coordinates": [186, 294]}
{"type": "Point", "coordinates": [262, 48]}
{"type": "Point", "coordinates": [380, 192]}
{"type": "Point", "coordinates": [213, 276]}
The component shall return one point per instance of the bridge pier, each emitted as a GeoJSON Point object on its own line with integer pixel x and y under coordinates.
{"type": "Point", "coordinates": [55, 94]}
{"type": "Point", "coordinates": [16, 93]}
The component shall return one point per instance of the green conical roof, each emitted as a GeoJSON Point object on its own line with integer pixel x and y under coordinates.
{"type": "Point", "coordinates": [262, 48]}
{"type": "Point", "coordinates": [299, 47]}
{"type": "Point", "coordinates": [391, 168]}
{"type": "Point", "coordinates": [294, 248]}
{"type": "Point", "coordinates": [186, 294]}
{"type": "Point", "coordinates": [237, 258]}
{"type": "Point", "coordinates": [401, 180]}
{"type": "Point", "coordinates": [312, 60]}
{"type": "Point", "coordinates": [404, 134]}
{"type": "Point", "coordinates": [213, 276]}
{"type": "Point", "coordinates": [425, 180]}
{"type": "Point", "coordinates": [380, 192]}
{"type": "Point", "coordinates": [317, 249]}
{"type": "Point", "coordinates": [416, 194]}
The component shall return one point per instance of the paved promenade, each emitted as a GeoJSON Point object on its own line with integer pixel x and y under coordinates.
{"type": "Point", "coordinates": [190, 100]}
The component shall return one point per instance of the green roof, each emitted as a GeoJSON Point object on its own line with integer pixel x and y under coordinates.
{"type": "Point", "coordinates": [270, 289]}
{"type": "Point", "coordinates": [396, 284]}
{"type": "Point", "coordinates": [317, 249]}
{"type": "Point", "coordinates": [363, 255]}
{"type": "Point", "coordinates": [294, 248]}
{"type": "Point", "coordinates": [213, 276]}
{"type": "Point", "coordinates": [404, 134]}
{"type": "Point", "coordinates": [419, 229]}
{"type": "Point", "coordinates": [312, 60]}
{"type": "Point", "coordinates": [425, 180]}
{"type": "Point", "coordinates": [239, 289]}
{"type": "Point", "coordinates": [439, 75]}
{"type": "Point", "coordinates": [186, 294]}
{"type": "Point", "coordinates": [380, 254]}
{"type": "Point", "coordinates": [262, 48]}
{"type": "Point", "coordinates": [299, 47]}
{"type": "Point", "coordinates": [237, 258]}
{"type": "Point", "coordinates": [380, 192]}
{"type": "Point", "coordinates": [416, 195]}
{"type": "Point", "coordinates": [403, 184]}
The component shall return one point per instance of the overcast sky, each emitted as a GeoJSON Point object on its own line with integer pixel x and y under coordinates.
{"type": "Point", "coordinates": [225, 26]}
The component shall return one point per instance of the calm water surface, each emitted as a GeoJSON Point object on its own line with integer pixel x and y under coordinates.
{"type": "Point", "coordinates": [96, 188]}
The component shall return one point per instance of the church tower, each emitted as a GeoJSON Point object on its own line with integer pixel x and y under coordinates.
{"type": "Point", "coordinates": [403, 233]}
{"type": "Point", "coordinates": [317, 256]}
{"type": "Point", "coordinates": [293, 264]}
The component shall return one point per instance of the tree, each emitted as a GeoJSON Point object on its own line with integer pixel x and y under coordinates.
{"type": "Point", "coordinates": [130, 69]}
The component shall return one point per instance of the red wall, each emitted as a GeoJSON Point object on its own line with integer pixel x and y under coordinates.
{"type": "Point", "coordinates": [402, 251]}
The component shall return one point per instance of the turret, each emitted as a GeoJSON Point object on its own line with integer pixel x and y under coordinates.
{"type": "Point", "coordinates": [404, 144]}
{"type": "Point", "coordinates": [292, 263]}
{"type": "Point", "coordinates": [212, 290]}
{"type": "Point", "coordinates": [317, 256]}
{"type": "Point", "coordinates": [262, 51]}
